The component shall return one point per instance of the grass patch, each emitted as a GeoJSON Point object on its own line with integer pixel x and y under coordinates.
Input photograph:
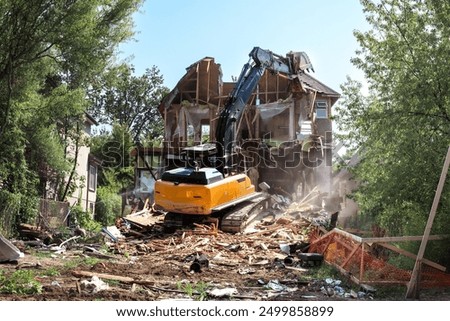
{"type": "Point", "coordinates": [76, 262]}
{"type": "Point", "coordinates": [196, 291]}
{"type": "Point", "coordinates": [53, 271]}
{"type": "Point", "coordinates": [42, 254]}
{"type": "Point", "coordinates": [112, 282]}
{"type": "Point", "coordinates": [322, 272]}
{"type": "Point", "coordinates": [391, 292]}
{"type": "Point", "coordinates": [19, 282]}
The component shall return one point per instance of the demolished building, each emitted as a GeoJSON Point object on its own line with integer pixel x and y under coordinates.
{"type": "Point", "coordinates": [284, 137]}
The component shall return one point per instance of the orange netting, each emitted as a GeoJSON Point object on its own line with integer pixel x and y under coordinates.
{"type": "Point", "coordinates": [370, 263]}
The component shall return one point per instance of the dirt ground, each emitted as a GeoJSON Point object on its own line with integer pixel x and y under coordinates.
{"type": "Point", "coordinates": [199, 263]}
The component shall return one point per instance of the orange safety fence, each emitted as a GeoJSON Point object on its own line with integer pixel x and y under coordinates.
{"type": "Point", "coordinates": [370, 262]}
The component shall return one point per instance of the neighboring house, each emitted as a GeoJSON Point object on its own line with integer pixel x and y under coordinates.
{"type": "Point", "coordinates": [53, 213]}
{"type": "Point", "coordinates": [87, 168]}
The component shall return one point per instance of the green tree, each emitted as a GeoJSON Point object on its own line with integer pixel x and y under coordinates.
{"type": "Point", "coordinates": [130, 101]}
{"type": "Point", "coordinates": [51, 50]}
{"type": "Point", "coordinates": [117, 172]}
{"type": "Point", "coordinates": [402, 128]}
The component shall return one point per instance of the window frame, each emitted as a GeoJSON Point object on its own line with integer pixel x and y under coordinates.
{"type": "Point", "coordinates": [92, 178]}
{"type": "Point", "coordinates": [321, 105]}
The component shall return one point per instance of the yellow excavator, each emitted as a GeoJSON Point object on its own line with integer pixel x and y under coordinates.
{"type": "Point", "coordinates": [195, 192]}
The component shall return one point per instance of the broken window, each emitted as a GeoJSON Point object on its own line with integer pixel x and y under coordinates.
{"type": "Point", "coordinates": [321, 109]}
{"type": "Point", "coordinates": [205, 131]}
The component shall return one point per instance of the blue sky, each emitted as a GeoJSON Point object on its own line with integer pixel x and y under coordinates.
{"type": "Point", "coordinates": [173, 34]}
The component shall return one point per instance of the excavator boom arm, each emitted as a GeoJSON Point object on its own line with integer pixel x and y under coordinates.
{"type": "Point", "coordinates": [260, 60]}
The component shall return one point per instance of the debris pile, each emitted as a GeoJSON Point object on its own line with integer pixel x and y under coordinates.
{"type": "Point", "coordinates": [267, 261]}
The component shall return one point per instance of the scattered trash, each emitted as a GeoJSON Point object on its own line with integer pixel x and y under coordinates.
{"type": "Point", "coordinates": [262, 262]}
{"type": "Point", "coordinates": [334, 289]}
{"type": "Point", "coordinates": [368, 289]}
{"type": "Point", "coordinates": [244, 271]}
{"type": "Point", "coordinates": [275, 286]}
{"type": "Point", "coordinates": [57, 249]}
{"type": "Point", "coordinates": [220, 293]}
{"type": "Point", "coordinates": [353, 294]}
{"type": "Point", "coordinates": [94, 285]}
{"type": "Point", "coordinates": [285, 248]}
{"type": "Point", "coordinates": [289, 260]}
{"type": "Point", "coordinates": [200, 261]}
{"type": "Point", "coordinates": [362, 295]}
{"type": "Point", "coordinates": [332, 282]}
{"type": "Point", "coordinates": [113, 233]}
{"type": "Point", "coordinates": [56, 283]}
{"type": "Point", "coordinates": [340, 291]}
{"type": "Point", "coordinates": [327, 291]}
{"type": "Point", "coordinates": [233, 247]}
{"type": "Point", "coordinates": [310, 259]}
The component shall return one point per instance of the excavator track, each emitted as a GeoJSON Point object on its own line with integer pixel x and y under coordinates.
{"type": "Point", "coordinates": [236, 219]}
{"type": "Point", "coordinates": [173, 221]}
{"type": "Point", "coordinates": [232, 220]}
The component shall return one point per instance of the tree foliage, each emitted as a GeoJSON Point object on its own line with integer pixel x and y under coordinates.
{"type": "Point", "coordinates": [402, 128]}
{"type": "Point", "coordinates": [117, 171]}
{"type": "Point", "coordinates": [51, 50]}
{"type": "Point", "coordinates": [131, 101]}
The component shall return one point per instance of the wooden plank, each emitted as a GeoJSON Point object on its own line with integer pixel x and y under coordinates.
{"type": "Point", "coordinates": [320, 239]}
{"type": "Point", "coordinates": [208, 82]}
{"type": "Point", "coordinates": [292, 122]}
{"type": "Point", "coordinates": [361, 267]}
{"type": "Point", "coordinates": [413, 286]}
{"type": "Point", "coordinates": [413, 256]}
{"type": "Point", "coordinates": [402, 238]}
{"type": "Point", "coordinates": [311, 110]}
{"type": "Point", "coordinates": [386, 282]}
{"type": "Point", "coordinates": [348, 235]}
{"type": "Point", "coordinates": [123, 279]}
{"type": "Point", "coordinates": [267, 87]}
{"type": "Point", "coordinates": [249, 126]}
{"type": "Point", "coordinates": [197, 84]}
{"type": "Point", "coordinates": [327, 244]}
{"type": "Point", "coordinates": [355, 248]}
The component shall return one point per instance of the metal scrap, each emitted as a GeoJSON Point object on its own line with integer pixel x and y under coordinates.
{"type": "Point", "coordinates": [8, 251]}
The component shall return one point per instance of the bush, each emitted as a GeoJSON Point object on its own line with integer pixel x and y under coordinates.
{"type": "Point", "coordinates": [84, 219]}
{"type": "Point", "coordinates": [108, 206]}
{"type": "Point", "coordinates": [16, 208]}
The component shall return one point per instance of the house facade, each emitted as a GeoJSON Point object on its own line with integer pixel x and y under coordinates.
{"type": "Point", "coordinates": [80, 185]}
{"type": "Point", "coordinates": [85, 194]}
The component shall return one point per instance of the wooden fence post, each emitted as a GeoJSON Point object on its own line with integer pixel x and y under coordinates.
{"type": "Point", "coordinates": [413, 286]}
